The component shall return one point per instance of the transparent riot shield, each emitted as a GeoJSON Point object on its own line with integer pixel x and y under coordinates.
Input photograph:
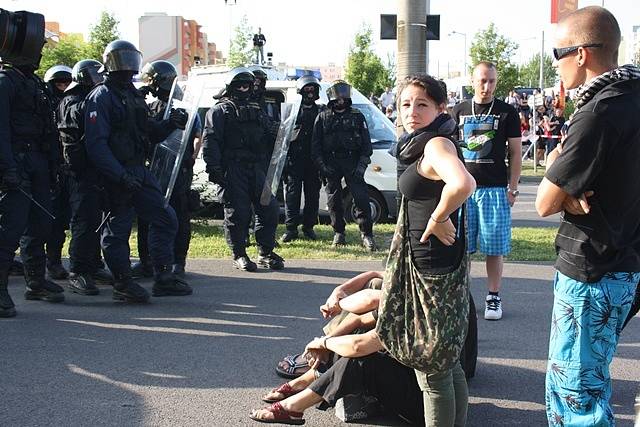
{"type": "Point", "coordinates": [167, 155]}
{"type": "Point", "coordinates": [288, 116]}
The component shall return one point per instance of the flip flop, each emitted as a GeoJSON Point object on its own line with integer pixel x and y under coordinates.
{"type": "Point", "coordinates": [298, 365]}
{"type": "Point", "coordinates": [280, 416]}
{"type": "Point", "coordinates": [285, 390]}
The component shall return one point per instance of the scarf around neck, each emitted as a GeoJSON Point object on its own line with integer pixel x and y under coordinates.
{"type": "Point", "coordinates": [410, 146]}
{"type": "Point", "coordinates": [588, 90]}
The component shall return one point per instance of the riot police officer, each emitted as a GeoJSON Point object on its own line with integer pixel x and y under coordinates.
{"type": "Point", "coordinates": [158, 77]}
{"type": "Point", "coordinates": [118, 132]}
{"type": "Point", "coordinates": [81, 184]}
{"type": "Point", "coordinates": [341, 147]}
{"type": "Point", "coordinates": [269, 105]}
{"type": "Point", "coordinates": [58, 78]}
{"type": "Point", "coordinates": [28, 143]}
{"type": "Point", "coordinates": [300, 170]}
{"type": "Point", "coordinates": [236, 149]}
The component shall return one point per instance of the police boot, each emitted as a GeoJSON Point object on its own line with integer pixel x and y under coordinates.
{"type": "Point", "coordinates": [289, 235]}
{"type": "Point", "coordinates": [7, 308]}
{"type": "Point", "coordinates": [126, 289]}
{"type": "Point", "coordinates": [57, 272]}
{"type": "Point", "coordinates": [82, 283]}
{"type": "Point", "coordinates": [102, 277]}
{"type": "Point", "coordinates": [338, 239]}
{"type": "Point", "coordinates": [140, 269]}
{"type": "Point", "coordinates": [368, 242]}
{"type": "Point", "coordinates": [243, 262]}
{"type": "Point", "coordinates": [178, 270]}
{"type": "Point", "coordinates": [309, 233]}
{"type": "Point", "coordinates": [271, 260]}
{"type": "Point", "coordinates": [16, 269]}
{"type": "Point", "coordinates": [38, 288]}
{"type": "Point", "coordinates": [167, 284]}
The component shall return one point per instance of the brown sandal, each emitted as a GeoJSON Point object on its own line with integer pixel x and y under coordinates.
{"type": "Point", "coordinates": [280, 415]}
{"type": "Point", "coordinates": [285, 390]}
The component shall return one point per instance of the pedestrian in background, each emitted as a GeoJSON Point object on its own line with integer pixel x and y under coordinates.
{"type": "Point", "coordinates": [592, 179]}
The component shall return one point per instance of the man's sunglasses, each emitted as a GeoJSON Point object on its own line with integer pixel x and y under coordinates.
{"type": "Point", "coordinates": [561, 52]}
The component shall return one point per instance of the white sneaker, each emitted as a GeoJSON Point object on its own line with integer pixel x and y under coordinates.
{"type": "Point", "coordinates": [493, 308]}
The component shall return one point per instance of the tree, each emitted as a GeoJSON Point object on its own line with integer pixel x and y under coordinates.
{"type": "Point", "coordinates": [489, 45]}
{"type": "Point", "coordinates": [636, 57]}
{"type": "Point", "coordinates": [529, 74]}
{"type": "Point", "coordinates": [365, 70]}
{"type": "Point", "coordinates": [240, 50]}
{"type": "Point", "coordinates": [101, 34]}
{"type": "Point", "coordinates": [69, 50]}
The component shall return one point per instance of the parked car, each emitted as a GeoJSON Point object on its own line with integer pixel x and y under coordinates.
{"type": "Point", "coordinates": [380, 175]}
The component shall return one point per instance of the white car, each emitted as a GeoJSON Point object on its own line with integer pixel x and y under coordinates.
{"type": "Point", "coordinates": [380, 175]}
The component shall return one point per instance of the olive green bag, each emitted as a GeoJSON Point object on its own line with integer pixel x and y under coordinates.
{"type": "Point", "coordinates": [422, 319]}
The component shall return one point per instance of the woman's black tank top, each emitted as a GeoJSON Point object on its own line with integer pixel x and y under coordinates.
{"type": "Point", "coordinates": [422, 195]}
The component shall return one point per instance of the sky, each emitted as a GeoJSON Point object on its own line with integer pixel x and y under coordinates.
{"type": "Point", "coordinates": [318, 32]}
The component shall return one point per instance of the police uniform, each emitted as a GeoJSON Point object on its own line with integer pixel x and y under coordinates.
{"type": "Point", "coordinates": [341, 147]}
{"type": "Point", "coordinates": [237, 146]}
{"type": "Point", "coordinates": [28, 144]}
{"type": "Point", "coordinates": [302, 172]}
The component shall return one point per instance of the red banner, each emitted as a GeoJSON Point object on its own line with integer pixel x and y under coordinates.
{"type": "Point", "coordinates": [561, 8]}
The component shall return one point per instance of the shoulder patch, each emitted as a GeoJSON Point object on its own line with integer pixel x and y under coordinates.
{"type": "Point", "coordinates": [93, 117]}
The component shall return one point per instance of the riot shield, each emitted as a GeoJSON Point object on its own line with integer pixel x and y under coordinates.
{"type": "Point", "coordinates": [288, 116]}
{"type": "Point", "coordinates": [167, 155]}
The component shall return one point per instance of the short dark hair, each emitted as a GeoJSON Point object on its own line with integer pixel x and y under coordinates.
{"type": "Point", "coordinates": [487, 64]}
{"type": "Point", "coordinates": [433, 88]}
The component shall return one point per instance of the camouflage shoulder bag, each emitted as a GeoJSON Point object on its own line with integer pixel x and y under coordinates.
{"type": "Point", "coordinates": [422, 319]}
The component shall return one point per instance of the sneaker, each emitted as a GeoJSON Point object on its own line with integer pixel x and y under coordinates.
{"type": "Point", "coordinates": [102, 277]}
{"type": "Point", "coordinates": [57, 272]}
{"type": "Point", "coordinates": [125, 289]}
{"type": "Point", "coordinates": [244, 263]}
{"type": "Point", "coordinates": [493, 308]}
{"type": "Point", "coordinates": [271, 260]}
{"type": "Point", "coordinates": [339, 240]}
{"type": "Point", "coordinates": [82, 284]}
{"type": "Point", "coordinates": [309, 233]}
{"type": "Point", "coordinates": [369, 243]}
{"type": "Point", "coordinates": [44, 290]}
{"type": "Point", "coordinates": [166, 284]}
{"type": "Point", "coordinates": [289, 236]}
{"type": "Point", "coordinates": [141, 269]}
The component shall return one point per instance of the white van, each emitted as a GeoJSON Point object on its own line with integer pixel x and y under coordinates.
{"type": "Point", "coordinates": [380, 175]}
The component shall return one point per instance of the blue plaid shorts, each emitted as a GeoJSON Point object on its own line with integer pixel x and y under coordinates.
{"type": "Point", "coordinates": [489, 221]}
{"type": "Point", "coordinates": [585, 326]}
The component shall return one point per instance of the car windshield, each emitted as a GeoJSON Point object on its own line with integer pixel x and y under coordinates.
{"type": "Point", "coordinates": [381, 129]}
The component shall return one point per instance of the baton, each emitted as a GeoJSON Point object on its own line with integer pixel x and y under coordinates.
{"type": "Point", "coordinates": [30, 197]}
{"type": "Point", "coordinates": [106, 217]}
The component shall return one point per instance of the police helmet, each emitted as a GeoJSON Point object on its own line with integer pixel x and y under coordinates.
{"type": "Point", "coordinates": [121, 55]}
{"type": "Point", "coordinates": [258, 72]}
{"type": "Point", "coordinates": [58, 73]}
{"type": "Point", "coordinates": [307, 80]}
{"type": "Point", "coordinates": [85, 73]}
{"type": "Point", "coordinates": [159, 75]}
{"type": "Point", "coordinates": [21, 37]}
{"type": "Point", "coordinates": [239, 75]}
{"type": "Point", "coordinates": [339, 89]}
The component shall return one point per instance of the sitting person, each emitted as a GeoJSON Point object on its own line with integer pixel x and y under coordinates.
{"type": "Point", "coordinates": [292, 366]}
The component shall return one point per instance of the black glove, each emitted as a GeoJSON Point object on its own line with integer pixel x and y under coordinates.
{"type": "Point", "coordinates": [145, 90]}
{"type": "Point", "coordinates": [10, 180]}
{"type": "Point", "coordinates": [216, 175]}
{"type": "Point", "coordinates": [130, 182]}
{"type": "Point", "coordinates": [178, 118]}
{"type": "Point", "coordinates": [360, 170]}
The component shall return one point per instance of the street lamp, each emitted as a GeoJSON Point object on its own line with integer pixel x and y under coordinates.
{"type": "Point", "coordinates": [465, 48]}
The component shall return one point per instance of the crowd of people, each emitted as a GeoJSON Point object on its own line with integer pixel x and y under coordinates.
{"type": "Point", "coordinates": [75, 151]}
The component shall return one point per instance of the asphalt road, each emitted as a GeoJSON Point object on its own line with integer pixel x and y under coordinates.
{"type": "Point", "coordinates": [206, 359]}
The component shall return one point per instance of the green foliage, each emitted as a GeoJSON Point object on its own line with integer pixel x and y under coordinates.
{"type": "Point", "coordinates": [69, 50]}
{"type": "Point", "coordinates": [365, 70]}
{"type": "Point", "coordinates": [489, 45]}
{"type": "Point", "coordinates": [101, 34]}
{"type": "Point", "coordinates": [240, 49]}
{"type": "Point", "coordinates": [529, 75]}
{"type": "Point", "coordinates": [569, 108]}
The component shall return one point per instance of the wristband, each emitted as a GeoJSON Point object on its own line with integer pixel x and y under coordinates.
{"type": "Point", "coordinates": [438, 222]}
{"type": "Point", "coordinates": [324, 342]}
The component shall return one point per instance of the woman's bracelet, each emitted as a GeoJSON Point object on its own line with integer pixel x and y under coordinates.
{"type": "Point", "coordinates": [438, 222]}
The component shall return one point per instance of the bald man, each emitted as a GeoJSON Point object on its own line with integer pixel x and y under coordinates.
{"type": "Point", "coordinates": [490, 130]}
{"type": "Point", "coordinates": [592, 178]}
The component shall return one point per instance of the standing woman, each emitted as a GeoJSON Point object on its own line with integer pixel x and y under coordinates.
{"type": "Point", "coordinates": [425, 307]}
